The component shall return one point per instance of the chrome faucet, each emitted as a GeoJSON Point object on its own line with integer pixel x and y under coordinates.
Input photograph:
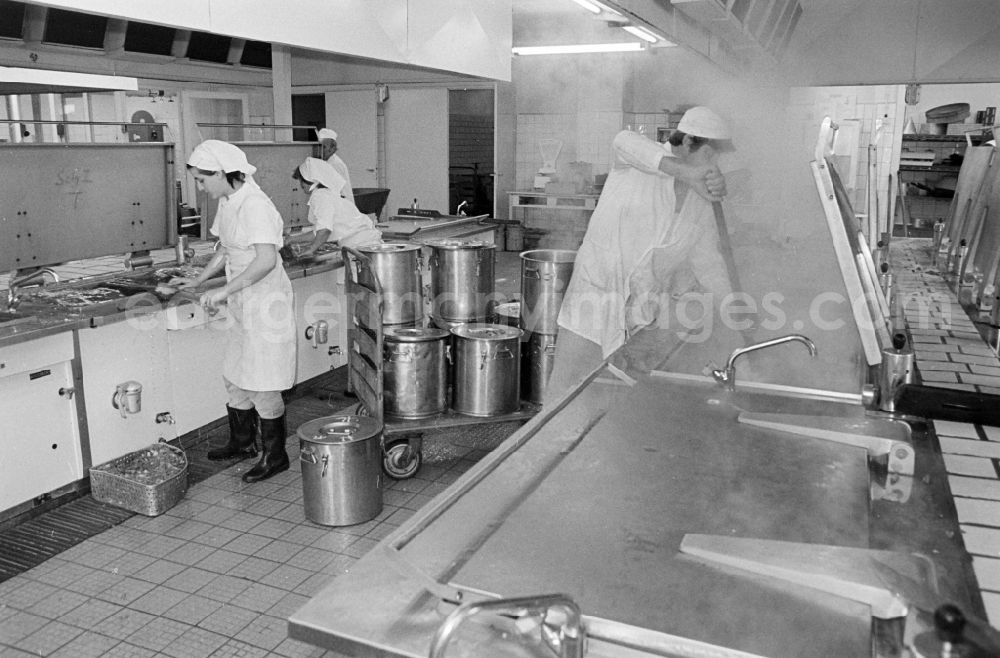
{"type": "Point", "coordinates": [561, 625]}
{"type": "Point", "coordinates": [728, 375]}
{"type": "Point", "coordinates": [13, 287]}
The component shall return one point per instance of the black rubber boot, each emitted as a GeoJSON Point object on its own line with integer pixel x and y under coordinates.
{"type": "Point", "coordinates": [273, 459]}
{"type": "Point", "coordinates": [242, 436]}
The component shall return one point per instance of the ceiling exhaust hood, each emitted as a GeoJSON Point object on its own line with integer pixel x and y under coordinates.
{"type": "Point", "coordinates": [17, 80]}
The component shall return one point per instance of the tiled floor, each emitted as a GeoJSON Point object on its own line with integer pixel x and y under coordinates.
{"type": "Point", "coordinates": [216, 575]}
{"type": "Point", "coordinates": [950, 352]}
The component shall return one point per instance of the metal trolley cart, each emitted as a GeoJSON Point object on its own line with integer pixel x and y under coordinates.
{"type": "Point", "coordinates": [402, 438]}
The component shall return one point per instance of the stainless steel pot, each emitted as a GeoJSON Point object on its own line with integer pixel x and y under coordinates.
{"type": "Point", "coordinates": [416, 364]}
{"type": "Point", "coordinates": [341, 460]}
{"type": "Point", "coordinates": [545, 273]}
{"type": "Point", "coordinates": [397, 267]}
{"type": "Point", "coordinates": [486, 377]}
{"type": "Point", "coordinates": [536, 365]}
{"type": "Point", "coordinates": [462, 274]}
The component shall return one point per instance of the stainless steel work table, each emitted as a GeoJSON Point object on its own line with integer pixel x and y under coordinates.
{"type": "Point", "coordinates": [594, 500]}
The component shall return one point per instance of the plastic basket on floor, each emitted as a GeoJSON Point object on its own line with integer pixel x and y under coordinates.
{"type": "Point", "coordinates": [148, 481]}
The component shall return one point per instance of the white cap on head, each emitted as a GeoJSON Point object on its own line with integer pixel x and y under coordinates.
{"type": "Point", "coordinates": [315, 170]}
{"type": "Point", "coordinates": [326, 133]}
{"type": "Point", "coordinates": [703, 122]}
{"type": "Point", "coordinates": [216, 155]}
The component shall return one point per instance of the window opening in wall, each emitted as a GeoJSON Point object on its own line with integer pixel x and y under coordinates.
{"type": "Point", "coordinates": [470, 150]}
{"type": "Point", "coordinates": [72, 28]}
{"type": "Point", "coordinates": [308, 110]}
{"type": "Point", "coordinates": [11, 19]}
{"type": "Point", "coordinates": [256, 53]}
{"type": "Point", "coordinates": [207, 47]}
{"type": "Point", "coordinates": [149, 39]}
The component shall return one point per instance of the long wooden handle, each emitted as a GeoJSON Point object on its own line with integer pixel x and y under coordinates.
{"type": "Point", "coordinates": [726, 247]}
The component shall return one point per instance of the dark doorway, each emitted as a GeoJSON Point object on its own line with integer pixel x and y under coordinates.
{"type": "Point", "coordinates": [308, 110]}
{"type": "Point", "coordinates": [470, 151]}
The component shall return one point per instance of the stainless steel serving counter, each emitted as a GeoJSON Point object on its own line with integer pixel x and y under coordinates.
{"type": "Point", "coordinates": [596, 499]}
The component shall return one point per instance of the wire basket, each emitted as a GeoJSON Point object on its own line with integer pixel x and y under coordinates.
{"type": "Point", "coordinates": [148, 481]}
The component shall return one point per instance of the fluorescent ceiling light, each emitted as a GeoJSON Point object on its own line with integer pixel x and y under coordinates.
{"type": "Point", "coordinates": [589, 6]}
{"type": "Point", "coordinates": [641, 32]}
{"type": "Point", "coordinates": [630, 46]}
{"type": "Point", "coordinates": [608, 9]}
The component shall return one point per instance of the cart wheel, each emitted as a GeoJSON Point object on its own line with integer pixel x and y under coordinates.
{"type": "Point", "coordinates": [401, 461]}
{"type": "Point", "coordinates": [361, 410]}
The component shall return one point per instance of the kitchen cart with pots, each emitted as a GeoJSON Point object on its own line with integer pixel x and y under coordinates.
{"type": "Point", "coordinates": [398, 363]}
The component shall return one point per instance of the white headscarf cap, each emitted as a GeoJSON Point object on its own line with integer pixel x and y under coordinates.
{"type": "Point", "coordinates": [216, 155]}
{"type": "Point", "coordinates": [326, 133]}
{"type": "Point", "coordinates": [315, 170]}
{"type": "Point", "coordinates": [703, 122]}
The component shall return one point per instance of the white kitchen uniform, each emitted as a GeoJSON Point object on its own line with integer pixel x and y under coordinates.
{"type": "Point", "coordinates": [694, 246]}
{"type": "Point", "coordinates": [260, 353]}
{"type": "Point", "coordinates": [348, 226]}
{"type": "Point", "coordinates": [635, 214]}
{"type": "Point", "coordinates": [337, 163]}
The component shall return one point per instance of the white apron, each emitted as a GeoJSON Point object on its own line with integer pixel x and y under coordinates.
{"type": "Point", "coordinates": [260, 353]}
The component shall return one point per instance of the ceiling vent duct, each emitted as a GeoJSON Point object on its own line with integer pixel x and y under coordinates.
{"type": "Point", "coordinates": [762, 25]}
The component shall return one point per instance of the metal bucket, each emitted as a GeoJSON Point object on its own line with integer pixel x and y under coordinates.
{"type": "Point", "coordinates": [462, 279]}
{"type": "Point", "coordinates": [415, 380]}
{"type": "Point", "coordinates": [487, 369]}
{"type": "Point", "coordinates": [545, 273]}
{"type": "Point", "coordinates": [341, 460]}
{"type": "Point", "coordinates": [536, 366]}
{"type": "Point", "coordinates": [397, 266]}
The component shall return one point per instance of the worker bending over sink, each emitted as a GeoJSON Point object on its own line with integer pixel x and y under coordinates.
{"type": "Point", "coordinates": [260, 354]}
{"type": "Point", "coordinates": [333, 216]}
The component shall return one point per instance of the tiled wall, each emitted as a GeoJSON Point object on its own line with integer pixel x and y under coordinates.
{"type": "Point", "coordinates": [470, 141]}
{"type": "Point", "coordinates": [864, 104]}
{"type": "Point", "coordinates": [586, 137]}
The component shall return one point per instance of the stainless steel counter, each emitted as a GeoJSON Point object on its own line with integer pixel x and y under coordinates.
{"type": "Point", "coordinates": [35, 319]}
{"type": "Point", "coordinates": [594, 501]}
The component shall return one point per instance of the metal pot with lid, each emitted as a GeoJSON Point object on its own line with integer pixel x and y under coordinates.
{"type": "Point", "coordinates": [396, 266]}
{"type": "Point", "coordinates": [415, 379]}
{"type": "Point", "coordinates": [341, 460]}
{"type": "Point", "coordinates": [487, 369]}
{"type": "Point", "coordinates": [462, 279]}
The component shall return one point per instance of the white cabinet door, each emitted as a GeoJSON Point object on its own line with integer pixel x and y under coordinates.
{"type": "Point", "coordinates": [320, 298]}
{"type": "Point", "coordinates": [38, 422]}
{"type": "Point", "coordinates": [196, 344]}
{"type": "Point", "coordinates": [417, 159]}
{"type": "Point", "coordinates": [134, 350]}
{"type": "Point", "coordinates": [353, 114]}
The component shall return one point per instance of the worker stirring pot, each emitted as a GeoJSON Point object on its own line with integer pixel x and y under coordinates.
{"type": "Point", "coordinates": [647, 225]}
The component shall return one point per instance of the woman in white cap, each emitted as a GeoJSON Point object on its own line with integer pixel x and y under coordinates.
{"type": "Point", "coordinates": [260, 356]}
{"type": "Point", "coordinates": [333, 217]}
{"type": "Point", "coordinates": [636, 235]}
{"type": "Point", "coordinates": [328, 142]}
